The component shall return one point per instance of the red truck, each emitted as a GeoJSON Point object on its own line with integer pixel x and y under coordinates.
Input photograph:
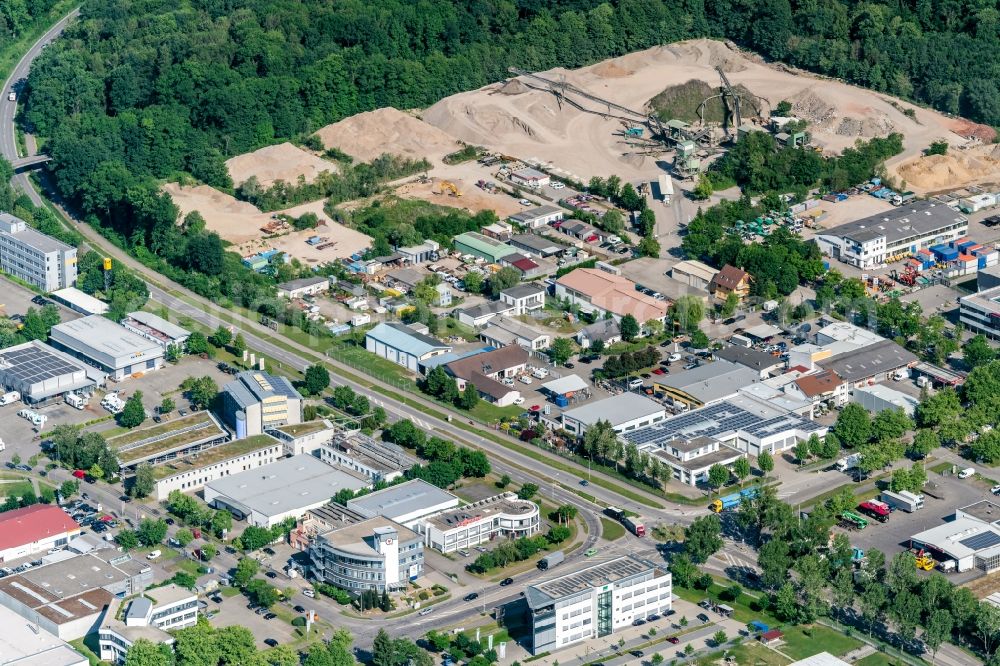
{"type": "Point", "coordinates": [875, 509]}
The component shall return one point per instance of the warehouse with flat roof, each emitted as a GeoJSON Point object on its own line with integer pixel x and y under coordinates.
{"type": "Point", "coordinates": [41, 373]}
{"type": "Point", "coordinates": [288, 488]}
{"type": "Point", "coordinates": [156, 329]}
{"type": "Point", "coordinates": [107, 346]}
{"type": "Point", "coordinates": [159, 442]}
{"type": "Point", "coordinates": [407, 504]}
{"type": "Point", "coordinates": [626, 412]}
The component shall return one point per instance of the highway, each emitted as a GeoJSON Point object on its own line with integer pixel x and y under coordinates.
{"type": "Point", "coordinates": [8, 109]}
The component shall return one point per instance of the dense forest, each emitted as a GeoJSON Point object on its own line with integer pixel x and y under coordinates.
{"type": "Point", "coordinates": [139, 91]}
{"type": "Point", "coordinates": [18, 16]}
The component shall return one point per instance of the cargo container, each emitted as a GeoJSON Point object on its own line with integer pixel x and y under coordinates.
{"type": "Point", "coordinates": [964, 246]}
{"type": "Point", "coordinates": [614, 513]}
{"type": "Point", "coordinates": [903, 500]}
{"type": "Point", "coordinates": [732, 501]}
{"type": "Point", "coordinates": [635, 526]}
{"type": "Point", "coordinates": [561, 401]}
{"type": "Point", "coordinates": [551, 560]}
{"type": "Point", "coordinates": [944, 253]}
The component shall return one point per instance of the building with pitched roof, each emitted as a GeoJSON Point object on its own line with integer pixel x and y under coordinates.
{"type": "Point", "coordinates": [693, 274]}
{"type": "Point", "coordinates": [625, 412]}
{"type": "Point", "coordinates": [706, 384]}
{"type": "Point", "coordinates": [825, 386]}
{"type": "Point", "coordinates": [729, 280]}
{"type": "Point", "coordinates": [482, 246]}
{"type": "Point", "coordinates": [402, 345]}
{"type": "Point", "coordinates": [600, 292]}
{"type": "Point", "coordinates": [304, 287]}
{"type": "Point", "coordinates": [871, 364]}
{"type": "Point", "coordinates": [407, 504]}
{"type": "Point", "coordinates": [478, 316]}
{"type": "Point", "coordinates": [503, 331]}
{"type": "Point", "coordinates": [534, 218]}
{"type": "Point", "coordinates": [486, 371]}
{"type": "Point", "coordinates": [537, 245]}
{"type": "Point", "coordinates": [34, 529]}
{"type": "Point", "coordinates": [256, 401]}
{"type": "Point", "coordinates": [606, 330]}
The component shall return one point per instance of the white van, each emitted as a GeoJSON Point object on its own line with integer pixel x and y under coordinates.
{"type": "Point", "coordinates": [540, 373]}
{"type": "Point", "coordinates": [154, 554]}
{"type": "Point", "coordinates": [635, 383]}
{"type": "Point", "coordinates": [966, 473]}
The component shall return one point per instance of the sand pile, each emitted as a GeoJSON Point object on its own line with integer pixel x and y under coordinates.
{"type": "Point", "coordinates": [281, 162]}
{"type": "Point", "coordinates": [808, 105]}
{"type": "Point", "coordinates": [970, 130]}
{"type": "Point", "coordinates": [866, 127]}
{"type": "Point", "coordinates": [957, 168]}
{"type": "Point", "coordinates": [235, 221]}
{"type": "Point", "coordinates": [609, 70]}
{"type": "Point", "coordinates": [388, 130]}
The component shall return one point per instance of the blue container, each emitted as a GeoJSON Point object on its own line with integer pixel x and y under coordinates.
{"type": "Point", "coordinates": [982, 262]}
{"type": "Point", "coordinates": [826, 265]}
{"type": "Point", "coordinates": [561, 401]}
{"type": "Point", "coordinates": [945, 253]}
{"type": "Point", "coordinates": [962, 247]}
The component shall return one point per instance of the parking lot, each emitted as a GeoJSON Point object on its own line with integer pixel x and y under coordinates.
{"type": "Point", "coordinates": [16, 300]}
{"type": "Point", "coordinates": [894, 535]}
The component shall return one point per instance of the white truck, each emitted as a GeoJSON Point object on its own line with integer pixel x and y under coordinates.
{"type": "Point", "coordinates": [77, 401]}
{"type": "Point", "coordinates": [666, 188]}
{"type": "Point", "coordinates": [848, 462]}
{"type": "Point", "coordinates": [905, 500]}
{"type": "Point", "coordinates": [9, 397]}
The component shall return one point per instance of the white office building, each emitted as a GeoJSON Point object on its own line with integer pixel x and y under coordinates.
{"type": "Point", "coordinates": [30, 255]}
{"type": "Point", "coordinates": [626, 412]}
{"type": "Point", "coordinates": [501, 516]}
{"type": "Point", "coordinates": [108, 346]}
{"type": "Point", "coordinates": [255, 402]}
{"type": "Point", "coordinates": [375, 554]}
{"type": "Point", "coordinates": [595, 601]}
{"type": "Point", "coordinates": [22, 644]}
{"type": "Point", "coordinates": [149, 616]}
{"type": "Point", "coordinates": [981, 312]}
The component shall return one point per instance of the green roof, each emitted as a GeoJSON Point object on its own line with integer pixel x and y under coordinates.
{"type": "Point", "coordinates": [162, 437]}
{"type": "Point", "coordinates": [484, 245]}
{"type": "Point", "coordinates": [213, 455]}
{"type": "Point", "coordinates": [302, 429]}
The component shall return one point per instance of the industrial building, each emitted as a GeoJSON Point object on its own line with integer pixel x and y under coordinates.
{"type": "Point", "coordinates": [625, 412]}
{"type": "Point", "coordinates": [192, 472]}
{"type": "Point", "coordinates": [529, 177]}
{"type": "Point", "coordinates": [503, 331]}
{"type": "Point", "coordinates": [892, 235]}
{"type": "Point", "coordinates": [482, 246]}
{"type": "Point", "coordinates": [256, 401]}
{"type": "Point", "coordinates": [79, 301]}
{"type": "Point", "coordinates": [159, 442]}
{"type": "Point", "coordinates": [304, 287]}
{"type": "Point", "coordinates": [68, 596]}
{"type": "Point", "coordinates": [879, 398]}
{"type": "Point", "coordinates": [980, 312]}
{"type": "Point", "coordinates": [693, 273]}
{"type": "Point", "coordinates": [34, 529]}
{"type": "Point", "coordinates": [30, 255]}
{"type": "Point", "coordinates": [108, 346]}
{"type": "Point", "coordinates": [307, 437]}
{"type": "Point", "coordinates": [971, 540]}
{"type": "Point", "coordinates": [478, 316]}
{"type": "Point", "coordinates": [407, 504]}
{"type": "Point", "coordinates": [402, 345]}
{"type": "Point", "coordinates": [500, 516]}
{"type": "Point", "coordinates": [874, 363]}
{"type": "Point", "coordinates": [287, 488]}
{"type": "Point", "coordinates": [535, 218]}
{"type": "Point", "coordinates": [41, 373]}
{"type": "Point", "coordinates": [595, 601]}
{"type": "Point", "coordinates": [372, 458]}
{"type": "Point", "coordinates": [745, 422]}
{"type": "Point", "coordinates": [603, 293]}
{"type": "Point", "coordinates": [22, 644]}
{"type": "Point", "coordinates": [690, 459]}
{"type": "Point", "coordinates": [536, 245]}
{"type": "Point", "coordinates": [487, 370]}
{"type": "Point", "coordinates": [156, 329]}
{"type": "Point", "coordinates": [148, 616]}
{"type": "Point", "coordinates": [375, 554]}
{"type": "Point", "coordinates": [706, 384]}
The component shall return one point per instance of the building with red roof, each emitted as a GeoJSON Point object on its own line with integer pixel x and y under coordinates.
{"type": "Point", "coordinates": [34, 529]}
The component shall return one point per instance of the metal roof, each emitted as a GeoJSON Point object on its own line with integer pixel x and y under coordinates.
{"type": "Point", "coordinates": [405, 339]}
{"type": "Point", "coordinates": [617, 409]}
{"type": "Point", "coordinates": [81, 301]}
{"type": "Point", "coordinates": [286, 485]}
{"type": "Point", "coordinates": [106, 337]}
{"type": "Point", "coordinates": [253, 386]}
{"type": "Point", "coordinates": [597, 575]}
{"type": "Point", "coordinates": [301, 283]}
{"type": "Point", "coordinates": [484, 244]}
{"type": "Point", "coordinates": [711, 381]}
{"type": "Point", "coordinates": [524, 290]}
{"type": "Point", "coordinates": [406, 498]}
{"type": "Point", "coordinates": [535, 213]}
{"type": "Point", "coordinates": [567, 384]}
{"type": "Point", "coordinates": [160, 324]}
{"type": "Point", "coordinates": [869, 361]}
{"type": "Point", "coordinates": [34, 362]}
{"type": "Point", "coordinates": [917, 218]}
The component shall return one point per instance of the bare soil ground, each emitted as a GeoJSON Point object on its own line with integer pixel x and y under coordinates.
{"type": "Point", "coordinates": [517, 120]}
{"type": "Point", "coordinates": [367, 135]}
{"type": "Point", "coordinates": [473, 199]}
{"type": "Point", "coordinates": [959, 167]}
{"type": "Point", "coordinates": [240, 223]}
{"type": "Point", "coordinates": [281, 162]}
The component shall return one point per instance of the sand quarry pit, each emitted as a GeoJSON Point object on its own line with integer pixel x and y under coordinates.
{"type": "Point", "coordinates": [515, 119]}
{"type": "Point", "coordinates": [933, 173]}
{"type": "Point", "coordinates": [280, 162]}
{"type": "Point", "coordinates": [240, 223]}
{"type": "Point", "coordinates": [368, 135]}
{"type": "Point", "coordinates": [473, 199]}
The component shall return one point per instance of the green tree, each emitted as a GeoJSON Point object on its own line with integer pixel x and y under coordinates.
{"type": "Point", "coordinates": [527, 491]}
{"type": "Point", "coordinates": [629, 328]}
{"type": "Point", "coordinates": [184, 536]}
{"type": "Point", "coordinates": [561, 350]}
{"type": "Point", "coordinates": [239, 345]}
{"type": "Point", "coordinates": [505, 278]}
{"type": "Point", "coordinates": [703, 190]}
{"type": "Point", "coordinates": [469, 397]}
{"type": "Point", "coordinates": [473, 282]}
{"type": "Point", "coordinates": [68, 489]}
{"type": "Point", "coordinates": [853, 426]}
{"type": "Point", "coordinates": [134, 413]}
{"type": "Point", "coordinates": [924, 442]}
{"type": "Point", "coordinates": [262, 593]}
{"type": "Point", "coordinates": [703, 538]}
{"type": "Point", "coordinates": [246, 569]}
{"type": "Point", "coordinates": [222, 336]}
{"type": "Point", "coordinates": [741, 469]}
{"type": "Point", "coordinates": [144, 652]}
{"type": "Point", "coordinates": [717, 476]}
{"type": "Point", "coordinates": [566, 513]}
{"type": "Point", "coordinates": [978, 352]}
{"type": "Point", "coordinates": [504, 481]}
{"type": "Point", "coordinates": [317, 379]}
{"type": "Point", "coordinates": [719, 638]}
{"type": "Point", "coordinates": [144, 481]}
{"type": "Point", "coordinates": [765, 462]}
{"type": "Point", "coordinates": [127, 539]}
{"type": "Point", "coordinates": [649, 246]}
{"type": "Point", "coordinates": [151, 532]}
{"type": "Point", "coordinates": [201, 392]}
{"type": "Point", "coordinates": [167, 405]}
{"type": "Point", "coordinates": [197, 343]}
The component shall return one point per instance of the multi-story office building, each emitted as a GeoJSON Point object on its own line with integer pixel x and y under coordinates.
{"type": "Point", "coordinates": [503, 516]}
{"type": "Point", "coordinates": [149, 616]}
{"type": "Point", "coordinates": [375, 554]}
{"type": "Point", "coordinates": [981, 312]}
{"type": "Point", "coordinates": [595, 601]}
{"type": "Point", "coordinates": [256, 401]}
{"type": "Point", "coordinates": [30, 255]}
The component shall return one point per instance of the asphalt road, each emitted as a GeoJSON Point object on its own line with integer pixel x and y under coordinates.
{"type": "Point", "coordinates": [8, 110]}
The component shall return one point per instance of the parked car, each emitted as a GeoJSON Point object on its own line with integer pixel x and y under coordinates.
{"type": "Point", "coordinates": [673, 640]}
{"type": "Point", "coordinates": [269, 616]}
{"type": "Point", "coordinates": [270, 642]}
{"type": "Point", "coordinates": [966, 473]}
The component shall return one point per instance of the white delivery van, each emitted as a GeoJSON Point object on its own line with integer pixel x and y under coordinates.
{"type": "Point", "coordinates": [154, 554]}
{"type": "Point", "coordinates": [966, 473]}
{"type": "Point", "coordinates": [540, 373]}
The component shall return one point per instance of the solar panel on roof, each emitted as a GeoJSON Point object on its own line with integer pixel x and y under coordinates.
{"type": "Point", "coordinates": [981, 541]}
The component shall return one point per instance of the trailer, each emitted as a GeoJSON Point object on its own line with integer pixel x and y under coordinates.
{"type": "Point", "coordinates": [732, 501]}
{"type": "Point", "coordinates": [904, 500]}
{"type": "Point", "coordinates": [615, 513]}
{"type": "Point", "coordinates": [9, 397]}
{"type": "Point", "coordinates": [551, 560]}
{"type": "Point", "coordinates": [666, 188]}
{"type": "Point", "coordinates": [635, 526]}
{"type": "Point", "coordinates": [853, 521]}
{"type": "Point", "coordinates": [875, 509]}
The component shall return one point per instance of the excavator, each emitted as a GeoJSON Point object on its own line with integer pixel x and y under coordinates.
{"type": "Point", "coordinates": [448, 186]}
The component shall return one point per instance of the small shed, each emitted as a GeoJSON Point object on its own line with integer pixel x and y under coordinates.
{"type": "Point", "coordinates": [771, 637]}
{"type": "Point", "coordinates": [724, 610]}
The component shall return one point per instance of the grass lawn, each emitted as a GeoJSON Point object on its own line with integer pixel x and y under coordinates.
{"type": "Point", "coordinates": [16, 488]}
{"type": "Point", "coordinates": [452, 326]}
{"type": "Point", "coordinates": [802, 642]}
{"type": "Point", "coordinates": [228, 592]}
{"type": "Point", "coordinates": [750, 653]}
{"type": "Point", "coordinates": [489, 413]}
{"type": "Point", "coordinates": [611, 530]}
{"type": "Point", "coordinates": [879, 659]}
{"type": "Point", "coordinates": [88, 647]}
{"type": "Point", "coordinates": [940, 468]}
{"type": "Point", "coordinates": [742, 611]}
{"type": "Point", "coordinates": [189, 566]}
